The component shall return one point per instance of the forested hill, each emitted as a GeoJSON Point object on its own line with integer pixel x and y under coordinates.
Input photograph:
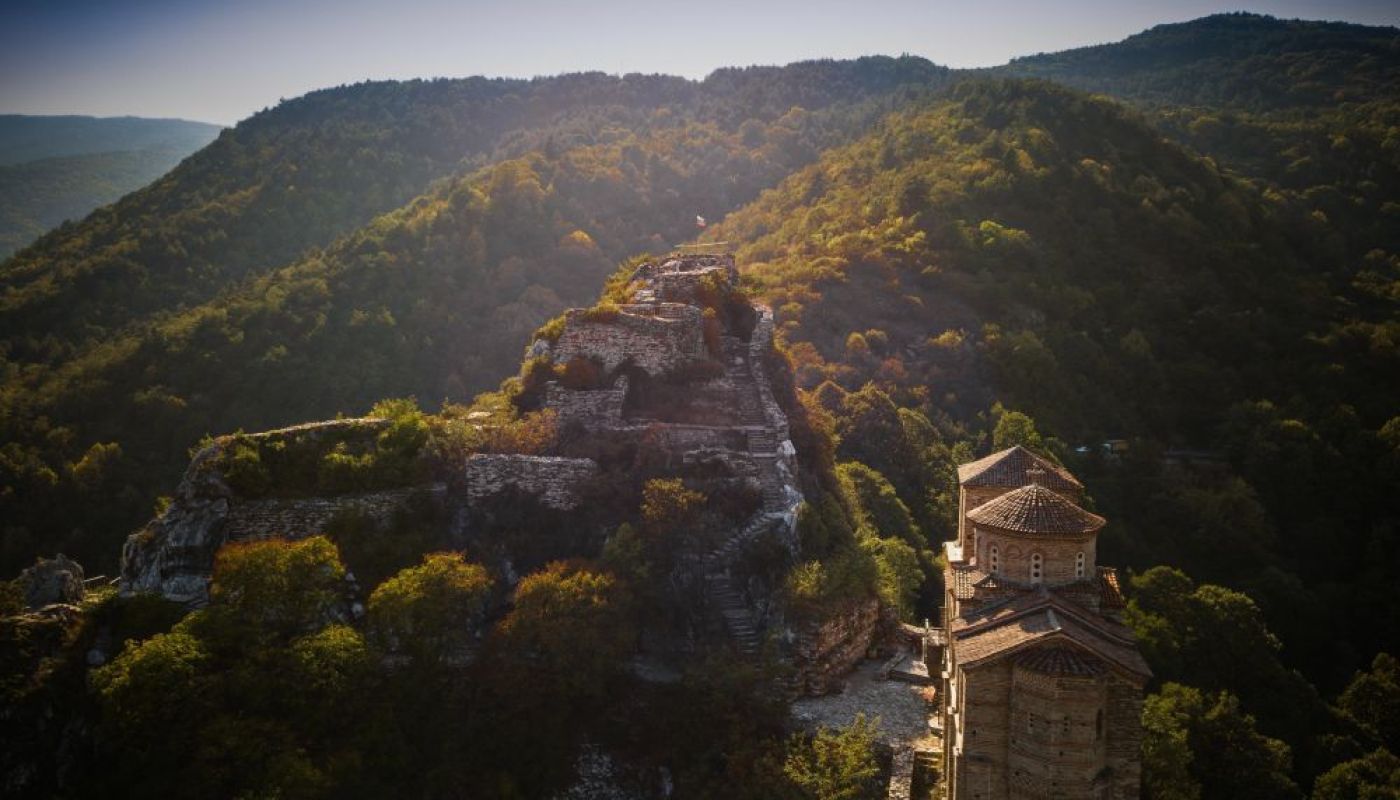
{"type": "Point", "coordinates": [1019, 245]}
{"type": "Point", "coordinates": [314, 168]}
{"type": "Point", "coordinates": [1246, 62]}
{"type": "Point", "coordinates": [206, 303]}
{"type": "Point", "coordinates": [1201, 259]}
{"type": "Point", "coordinates": [25, 138]}
{"type": "Point", "coordinates": [60, 168]}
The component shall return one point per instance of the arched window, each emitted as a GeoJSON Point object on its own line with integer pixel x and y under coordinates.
{"type": "Point", "coordinates": [996, 560]}
{"type": "Point", "coordinates": [1037, 567]}
{"type": "Point", "coordinates": [1079, 564]}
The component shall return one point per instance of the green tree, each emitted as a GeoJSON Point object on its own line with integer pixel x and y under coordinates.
{"type": "Point", "coordinates": [430, 611]}
{"type": "Point", "coordinates": [1198, 745]}
{"type": "Point", "coordinates": [1373, 699]}
{"type": "Point", "coordinates": [1374, 777]}
{"type": "Point", "coordinates": [571, 628]}
{"type": "Point", "coordinates": [836, 765]}
{"type": "Point", "coordinates": [1013, 428]}
{"type": "Point", "coordinates": [277, 587]}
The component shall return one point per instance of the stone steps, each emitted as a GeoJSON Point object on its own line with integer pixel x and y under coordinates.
{"type": "Point", "coordinates": [738, 619]}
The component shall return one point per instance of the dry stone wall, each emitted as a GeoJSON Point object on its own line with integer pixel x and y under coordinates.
{"type": "Point", "coordinates": [555, 481]}
{"type": "Point", "coordinates": [599, 407]}
{"type": "Point", "coordinates": [298, 518]}
{"type": "Point", "coordinates": [656, 344]}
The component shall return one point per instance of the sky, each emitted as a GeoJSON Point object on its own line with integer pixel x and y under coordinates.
{"type": "Point", "coordinates": [222, 60]}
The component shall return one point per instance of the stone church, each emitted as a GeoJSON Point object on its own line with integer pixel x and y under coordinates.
{"type": "Point", "coordinates": [1042, 681]}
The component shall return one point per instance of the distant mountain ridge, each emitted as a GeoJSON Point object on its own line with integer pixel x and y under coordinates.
{"type": "Point", "coordinates": [54, 169]}
{"type": "Point", "coordinates": [26, 138]}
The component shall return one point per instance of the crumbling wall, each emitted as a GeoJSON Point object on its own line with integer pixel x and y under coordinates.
{"type": "Point", "coordinates": [594, 407]}
{"type": "Point", "coordinates": [556, 481]}
{"type": "Point", "coordinates": [656, 344]}
{"type": "Point", "coordinates": [682, 287]}
{"type": "Point", "coordinates": [298, 518]}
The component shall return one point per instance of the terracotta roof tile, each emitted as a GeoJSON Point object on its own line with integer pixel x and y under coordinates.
{"type": "Point", "coordinates": [1110, 592]}
{"type": "Point", "coordinates": [993, 632]}
{"type": "Point", "coordinates": [1009, 467]}
{"type": "Point", "coordinates": [1035, 509]}
{"type": "Point", "coordinates": [1057, 660]}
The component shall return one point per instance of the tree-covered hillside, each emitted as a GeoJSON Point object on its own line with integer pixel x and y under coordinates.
{"type": "Point", "coordinates": [1022, 244]}
{"type": "Point", "coordinates": [25, 138]}
{"type": "Point", "coordinates": [38, 195]}
{"type": "Point", "coordinates": [1199, 263]}
{"type": "Point", "coordinates": [228, 313]}
{"type": "Point", "coordinates": [60, 168]}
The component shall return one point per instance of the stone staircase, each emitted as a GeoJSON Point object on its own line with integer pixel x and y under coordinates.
{"type": "Point", "coordinates": [728, 600]}
{"type": "Point", "coordinates": [735, 611]}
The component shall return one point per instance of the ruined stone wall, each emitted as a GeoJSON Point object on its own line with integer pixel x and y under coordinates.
{"type": "Point", "coordinates": [298, 518]}
{"type": "Point", "coordinates": [595, 407]}
{"type": "Point", "coordinates": [653, 343]}
{"type": "Point", "coordinates": [682, 286]}
{"type": "Point", "coordinates": [681, 438]}
{"type": "Point", "coordinates": [555, 481]}
{"type": "Point", "coordinates": [759, 343]}
{"type": "Point", "coordinates": [823, 654]}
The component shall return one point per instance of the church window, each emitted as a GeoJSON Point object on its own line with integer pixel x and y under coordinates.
{"type": "Point", "coordinates": [1037, 567]}
{"type": "Point", "coordinates": [996, 560]}
{"type": "Point", "coordinates": [1079, 565]}
{"type": "Point", "coordinates": [1098, 726]}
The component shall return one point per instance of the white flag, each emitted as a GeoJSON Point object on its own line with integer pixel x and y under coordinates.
{"type": "Point", "coordinates": [699, 221]}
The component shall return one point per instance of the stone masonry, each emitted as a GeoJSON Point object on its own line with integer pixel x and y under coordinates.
{"type": "Point", "coordinates": [657, 339]}
{"type": "Point", "coordinates": [555, 481]}
{"type": "Point", "coordinates": [1042, 683]}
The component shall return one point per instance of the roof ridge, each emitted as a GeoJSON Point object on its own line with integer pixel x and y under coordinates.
{"type": "Point", "coordinates": [1008, 467]}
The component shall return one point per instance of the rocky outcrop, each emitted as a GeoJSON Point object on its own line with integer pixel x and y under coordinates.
{"type": "Point", "coordinates": [555, 481]}
{"type": "Point", "coordinates": [173, 554]}
{"type": "Point", "coordinates": [825, 652]}
{"type": "Point", "coordinates": [51, 580]}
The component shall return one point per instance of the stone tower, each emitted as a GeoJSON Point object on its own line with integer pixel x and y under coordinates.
{"type": "Point", "coordinates": [1042, 682]}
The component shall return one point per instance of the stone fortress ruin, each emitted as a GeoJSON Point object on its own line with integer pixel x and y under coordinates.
{"type": "Point", "coordinates": [729, 422]}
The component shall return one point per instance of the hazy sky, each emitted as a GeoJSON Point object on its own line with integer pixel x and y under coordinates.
{"type": "Point", "coordinates": [222, 60]}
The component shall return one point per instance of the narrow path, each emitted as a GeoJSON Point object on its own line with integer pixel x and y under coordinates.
{"type": "Point", "coordinates": [763, 445]}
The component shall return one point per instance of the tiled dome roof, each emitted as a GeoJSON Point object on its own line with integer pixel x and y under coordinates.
{"type": "Point", "coordinates": [1009, 467]}
{"type": "Point", "coordinates": [1035, 509]}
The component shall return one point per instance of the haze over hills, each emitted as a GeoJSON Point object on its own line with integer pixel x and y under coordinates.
{"type": "Point", "coordinates": [1203, 257]}
{"type": "Point", "coordinates": [59, 168]}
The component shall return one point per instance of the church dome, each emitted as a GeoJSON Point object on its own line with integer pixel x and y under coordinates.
{"type": "Point", "coordinates": [1035, 509]}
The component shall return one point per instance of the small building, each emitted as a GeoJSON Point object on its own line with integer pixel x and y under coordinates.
{"type": "Point", "coordinates": [1042, 682]}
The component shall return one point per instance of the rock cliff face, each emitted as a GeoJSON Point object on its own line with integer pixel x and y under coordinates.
{"type": "Point", "coordinates": [52, 580]}
{"type": "Point", "coordinates": [173, 554]}
{"type": "Point", "coordinates": [824, 654]}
